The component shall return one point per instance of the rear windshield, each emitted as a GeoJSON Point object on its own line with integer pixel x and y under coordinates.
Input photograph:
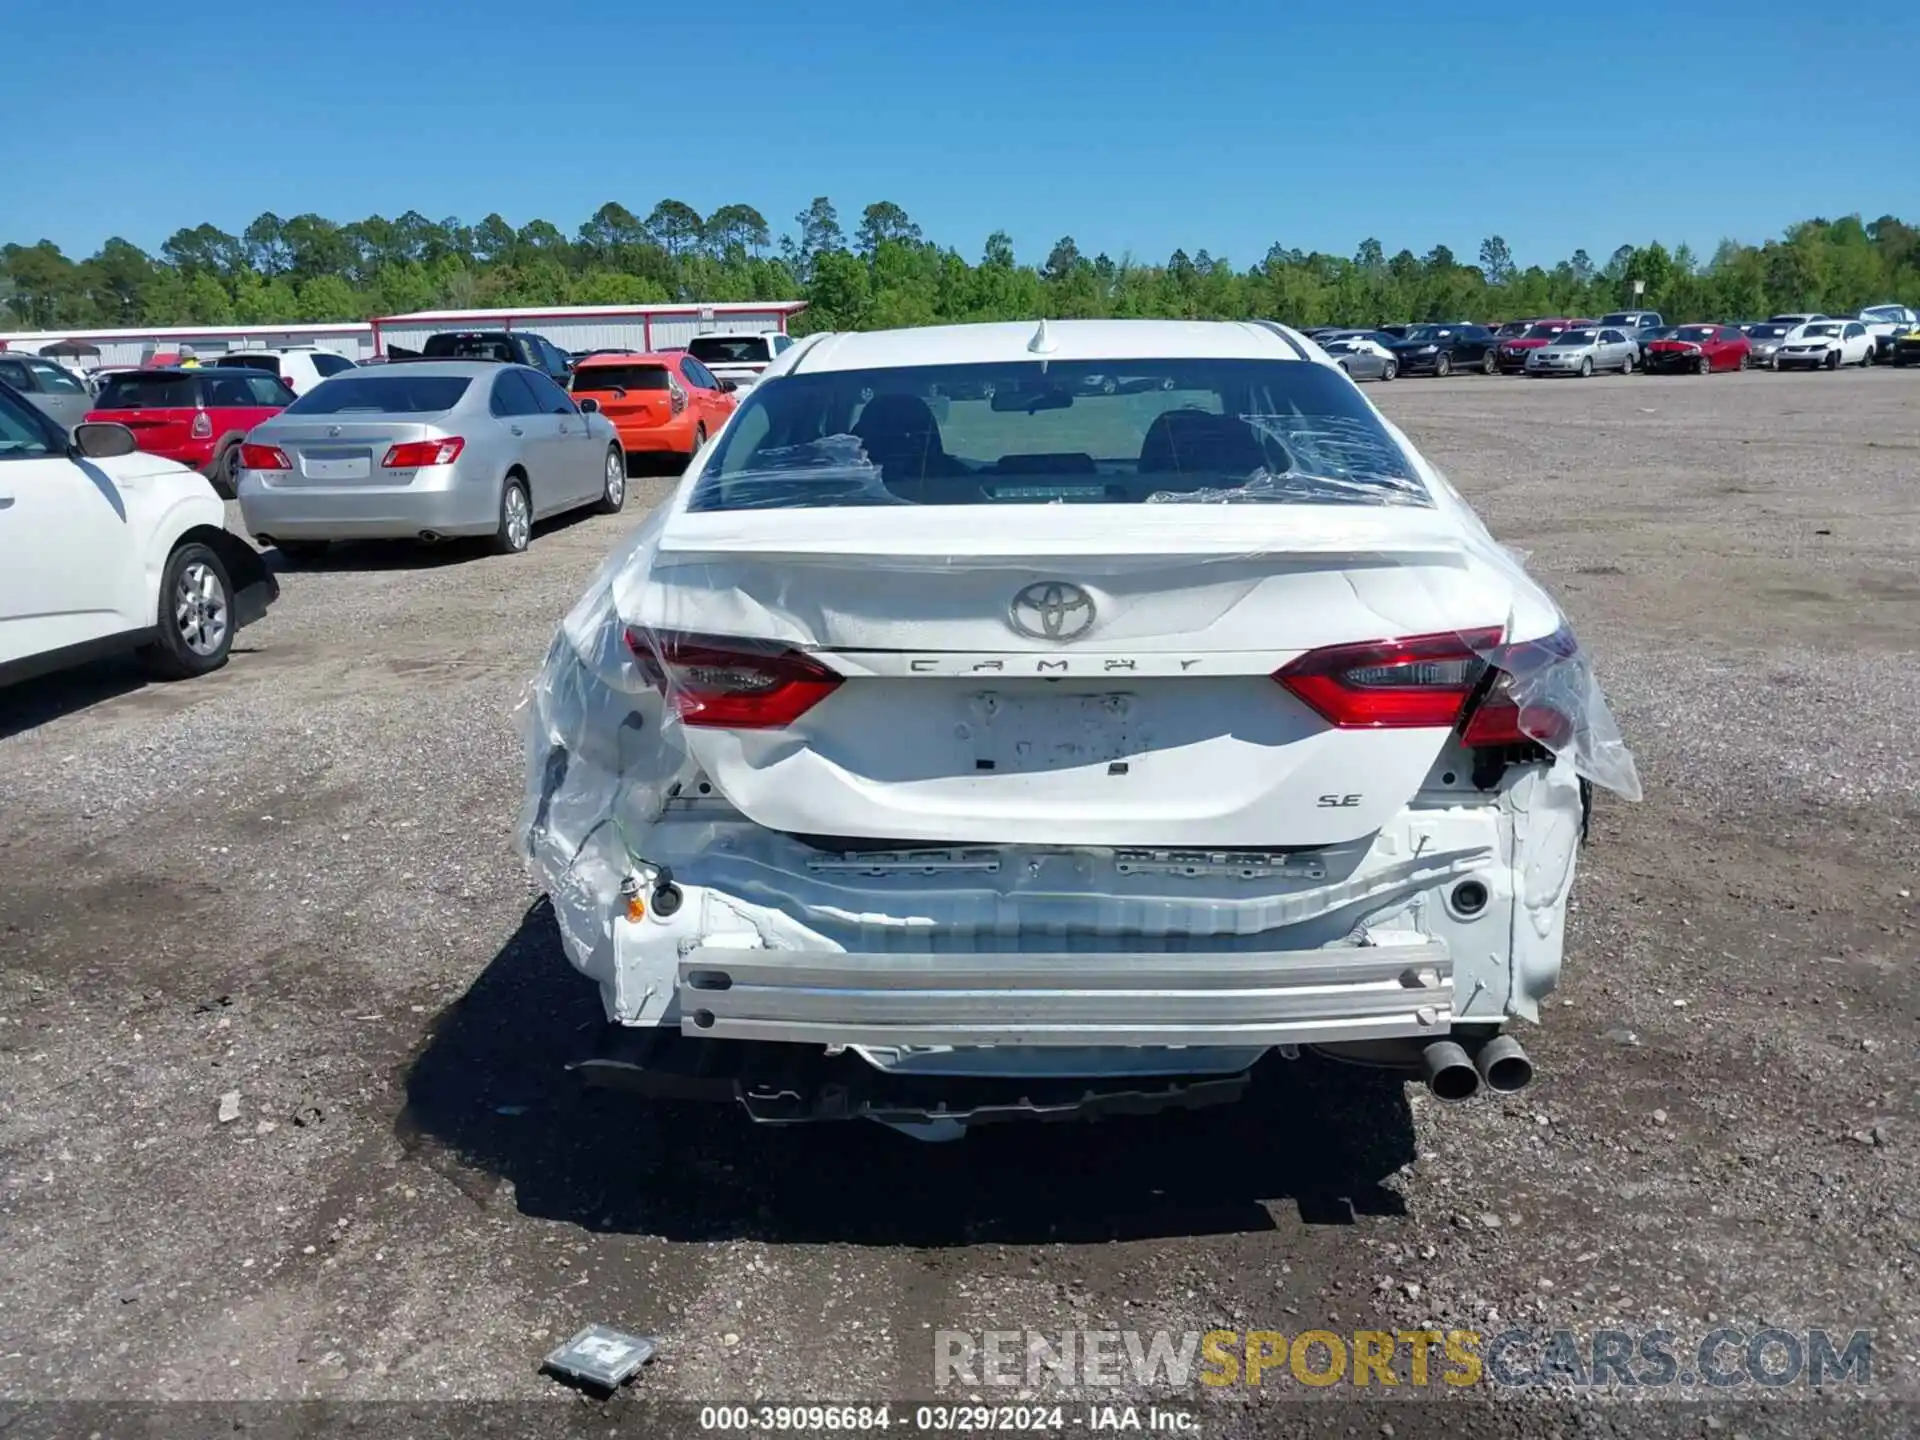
{"type": "Point", "coordinates": [251, 362]}
{"type": "Point", "coordinates": [149, 392]}
{"type": "Point", "coordinates": [729, 349]}
{"type": "Point", "coordinates": [1118, 432]}
{"type": "Point", "coordinates": [619, 377]}
{"type": "Point", "coordinates": [330, 364]}
{"type": "Point", "coordinates": [468, 347]}
{"type": "Point", "coordinates": [358, 392]}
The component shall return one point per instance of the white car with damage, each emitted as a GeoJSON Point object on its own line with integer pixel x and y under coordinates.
{"type": "Point", "coordinates": [1003, 719]}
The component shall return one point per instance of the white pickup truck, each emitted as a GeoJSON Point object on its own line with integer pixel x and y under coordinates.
{"type": "Point", "coordinates": [739, 358]}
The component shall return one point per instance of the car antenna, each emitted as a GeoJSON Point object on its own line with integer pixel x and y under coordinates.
{"type": "Point", "coordinates": [1042, 342]}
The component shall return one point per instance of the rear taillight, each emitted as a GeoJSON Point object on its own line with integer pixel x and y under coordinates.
{"type": "Point", "coordinates": [1525, 702]}
{"type": "Point", "coordinates": [731, 684]}
{"type": "Point", "coordinates": [264, 457]}
{"type": "Point", "coordinates": [1416, 683]}
{"type": "Point", "coordinates": [679, 395]}
{"type": "Point", "coordinates": [418, 454]}
{"type": "Point", "coordinates": [202, 426]}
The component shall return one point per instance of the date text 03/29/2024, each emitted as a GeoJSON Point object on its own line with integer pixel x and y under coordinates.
{"type": "Point", "coordinates": [949, 1418]}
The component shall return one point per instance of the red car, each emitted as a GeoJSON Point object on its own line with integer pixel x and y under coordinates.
{"type": "Point", "coordinates": [1701, 349]}
{"type": "Point", "coordinates": [667, 403]}
{"type": "Point", "coordinates": [1511, 356]}
{"type": "Point", "coordinates": [198, 417]}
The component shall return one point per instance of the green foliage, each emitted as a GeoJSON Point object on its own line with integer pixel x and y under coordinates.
{"type": "Point", "coordinates": [310, 268]}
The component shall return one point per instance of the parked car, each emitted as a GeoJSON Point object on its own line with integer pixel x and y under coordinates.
{"type": "Point", "coordinates": [1632, 321]}
{"type": "Point", "coordinates": [1701, 349]}
{"type": "Point", "coordinates": [1442, 349]}
{"type": "Point", "coordinates": [660, 404]}
{"type": "Point", "coordinates": [1794, 319]}
{"type": "Point", "coordinates": [509, 347]}
{"type": "Point", "coordinates": [55, 391]}
{"type": "Point", "coordinates": [1514, 329]}
{"type": "Point", "coordinates": [428, 450]}
{"type": "Point", "coordinates": [1361, 359]}
{"type": "Point", "coordinates": [1581, 352]}
{"type": "Point", "coordinates": [104, 548]}
{"type": "Point", "coordinates": [197, 417]}
{"type": "Point", "coordinates": [1906, 348]}
{"type": "Point", "coordinates": [898, 752]}
{"type": "Point", "coordinates": [1763, 342]}
{"type": "Point", "coordinates": [1824, 344]}
{"type": "Point", "coordinates": [739, 358]}
{"type": "Point", "coordinates": [300, 367]}
{"type": "Point", "coordinates": [1510, 355]}
{"type": "Point", "coordinates": [1885, 323]}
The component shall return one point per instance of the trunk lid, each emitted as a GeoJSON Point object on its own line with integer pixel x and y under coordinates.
{"type": "Point", "coordinates": [1088, 675]}
{"type": "Point", "coordinates": [343, 452]}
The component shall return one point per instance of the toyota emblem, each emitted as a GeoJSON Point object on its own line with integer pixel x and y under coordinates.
{"type": "Point", "coordinates": [1052, 610]}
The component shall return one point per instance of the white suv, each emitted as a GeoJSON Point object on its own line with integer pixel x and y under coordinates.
{"type": "Point", "coordinates": [739, 358]}
{"type": "Point", "coordinates": [301, 366]}
{"type": "Point", "coordinates": [1011, 720]}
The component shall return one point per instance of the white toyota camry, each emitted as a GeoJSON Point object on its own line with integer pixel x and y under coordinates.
{"type": "Point", "coordinates": [1007, 719]}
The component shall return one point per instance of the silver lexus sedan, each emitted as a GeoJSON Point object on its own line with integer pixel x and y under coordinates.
{"type": "Point", "coordinates": [427, 450]}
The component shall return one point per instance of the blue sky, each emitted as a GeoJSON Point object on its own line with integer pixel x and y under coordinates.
{"type": "Point", "coordinates": [1131, 126]}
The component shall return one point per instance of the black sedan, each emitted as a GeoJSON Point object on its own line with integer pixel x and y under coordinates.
{"type": "Point", "coordinates": [1442, 349]}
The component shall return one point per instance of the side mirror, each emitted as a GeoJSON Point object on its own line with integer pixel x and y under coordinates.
{"type": "Point", "coordinates": [589, 405]}
{"type": "Point", "coordinates": [103, 440]}
{"type": "Point", "coordinates": [729, 385]}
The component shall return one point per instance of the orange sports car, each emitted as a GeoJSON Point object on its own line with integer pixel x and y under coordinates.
{"type": "Point", "coordinates": [659, 403]}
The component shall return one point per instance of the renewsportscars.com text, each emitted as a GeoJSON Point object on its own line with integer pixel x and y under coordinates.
{"type": "Point", "coordinates": [1724, 1358]}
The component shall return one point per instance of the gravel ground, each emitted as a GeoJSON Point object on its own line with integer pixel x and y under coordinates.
{"type": "Point", "coordinates": [293, 880]}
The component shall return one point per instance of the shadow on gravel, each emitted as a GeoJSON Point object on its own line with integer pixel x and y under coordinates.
{"type": "Point", "coordinates": [377, 555]}
{"type": "Point", "coordinates": [488, 1096]}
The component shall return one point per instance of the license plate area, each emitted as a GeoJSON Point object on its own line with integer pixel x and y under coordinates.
{"type": "Point", "coordinates": [337, 465]}
{"type": "Point", "coordinates": [1005, 731]}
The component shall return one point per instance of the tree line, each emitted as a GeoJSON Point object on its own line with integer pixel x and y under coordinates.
{"type": "Point", "coordinates": [309, 268]}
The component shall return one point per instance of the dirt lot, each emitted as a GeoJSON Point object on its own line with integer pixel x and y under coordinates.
{"type": "Point", "coordinates": [294, 880]}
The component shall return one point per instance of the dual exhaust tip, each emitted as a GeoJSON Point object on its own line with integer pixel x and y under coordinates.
{"type": "Point", "coordinates": [1452, 1074]}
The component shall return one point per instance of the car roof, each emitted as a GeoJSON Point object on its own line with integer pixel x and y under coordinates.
{"type": "Point", "coordinates": [1004, 341]}
{"type": "Point", "coordinates": [466, 369]}
{"type": "Point", "coordinates": [636, 357]}
{"type": "Point", "coordinates": [226, 371]}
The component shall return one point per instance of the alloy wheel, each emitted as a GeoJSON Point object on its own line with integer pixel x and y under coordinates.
{"type": "Point", "coordinates": [200, 609]}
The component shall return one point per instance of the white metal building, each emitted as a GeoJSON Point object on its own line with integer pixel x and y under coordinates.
{"type": "Point", "coordinates": [596, 327]}
{"type": "Point", "coordinates": [169, 342]}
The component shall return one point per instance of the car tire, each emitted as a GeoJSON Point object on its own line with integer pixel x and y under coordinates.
{"type": "Point", "coordinates": [1703, 366]}
{"type": "Point", "coordinates": [1389, 370]}
{"type": "Point", "coordinates": [1341, 366]}
{"type": "Point", "coordinates": [613, 494]}
{"type": "Point", "coordinates": [193, 621]}
{"type": "Point", "coordinates": [1488, 364]}
{"type": "Point", "coordinates": [1442, 366]}
{"type": "Point", "coordinates": [225, 471]}
{"type": "Point", "coordinates": [1866, 360]}
{"type": "Point", "coordinates": [1586, 367]}
{"type": "Point", "coordinates": [1626, 365]}
{"type": "Point", "coordinates": [1832, 361]}
{"type": "Point", "coordinates": [515, 530]}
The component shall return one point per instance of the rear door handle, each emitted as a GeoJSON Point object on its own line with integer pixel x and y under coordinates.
{"type": "Point", "coordinates": [516, 430]}
{"type": "Point", "coordinates": [6, 502]}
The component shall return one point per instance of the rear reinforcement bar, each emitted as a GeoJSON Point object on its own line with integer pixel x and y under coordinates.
{"type": "Point", "coordinates": [1128, 999]}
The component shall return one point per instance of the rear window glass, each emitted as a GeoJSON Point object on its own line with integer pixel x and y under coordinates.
{"type": "Point", "coordinates": [729, 349]}
{"type": "Point", "coordinates": [328, 364]}
{"type": "Point", "coordinates": [385, 394]}
{"type": "Point", "coordinates": [269, 363]}
{"type": "Point", "coordinates": [468, 347]}
{"type": "Point", "coordinates": [619, 377]}
{"type": "Point", "coordinates": [1047, 433]}
{"type": "Point", "coordinates": [149, 392]}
